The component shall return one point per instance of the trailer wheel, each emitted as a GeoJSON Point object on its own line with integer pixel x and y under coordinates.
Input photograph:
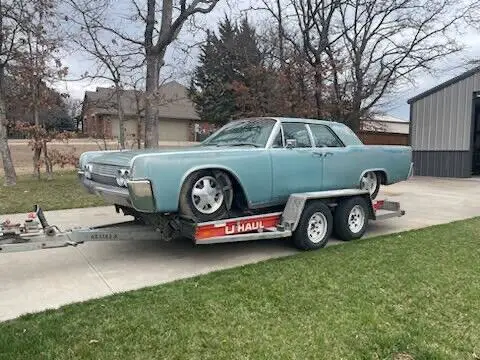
{"type": "Point", "coordinates": [351, 218]}
{"type": "Point", "coordinates": [314, 228]}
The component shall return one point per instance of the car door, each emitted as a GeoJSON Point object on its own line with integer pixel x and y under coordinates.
{"type": "Point", "coordinates": [296, 168]}
{"type": "Point", "coordinates": [340, 163]}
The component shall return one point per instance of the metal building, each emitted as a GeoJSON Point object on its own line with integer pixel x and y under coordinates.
{"type": "Point", "coordinates": [445, 128]}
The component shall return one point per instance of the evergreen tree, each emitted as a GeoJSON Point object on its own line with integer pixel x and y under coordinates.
{"type": "Point", "coordinates": [212, 100]}
{"type": "Point", "coordinates": [225, 68]}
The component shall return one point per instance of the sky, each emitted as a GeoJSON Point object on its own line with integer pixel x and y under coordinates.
{"type": "Point", "coordinates": [180, 64]}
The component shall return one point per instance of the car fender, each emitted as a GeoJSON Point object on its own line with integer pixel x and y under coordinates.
{"type": "Point", "coordinates": [212, 166]}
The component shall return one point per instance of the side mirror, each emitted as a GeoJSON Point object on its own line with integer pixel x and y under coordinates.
{"type": "Point", "coordinates": [291, 143]}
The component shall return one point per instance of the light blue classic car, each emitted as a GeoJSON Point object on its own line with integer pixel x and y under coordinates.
{"type": "Point", "coordinates": [247, 165]}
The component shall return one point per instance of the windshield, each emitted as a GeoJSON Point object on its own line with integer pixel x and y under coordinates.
{"type": "Point", "coordinates": [249, 132]}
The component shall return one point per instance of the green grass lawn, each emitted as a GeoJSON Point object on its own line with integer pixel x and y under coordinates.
{"type": "Point", "coordinates": [63, 192]}
{"type": "Point", "coordinates": [410, 296]}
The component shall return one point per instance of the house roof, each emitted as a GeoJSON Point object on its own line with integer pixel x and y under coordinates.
{"type": "Point", "coordinates": [443, 85]}
{"type": "Point", "coordinates": [386, 124]}
{"type": "Point", "coordinates": [389, 119]}
{"type": "Point", "coordinates": [172, 102]}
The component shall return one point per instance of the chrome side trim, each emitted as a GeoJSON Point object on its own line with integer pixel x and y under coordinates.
{"type": "Point", "coordinates": [410, 171]}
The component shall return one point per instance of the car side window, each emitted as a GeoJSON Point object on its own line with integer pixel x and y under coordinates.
{"type": "Point", "coordinates": [323, 136]}
{"type": "Point", "coordinates": [297, 132]}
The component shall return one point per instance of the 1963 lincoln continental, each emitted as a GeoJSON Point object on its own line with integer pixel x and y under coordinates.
{"type": "Point", "coordinates": [247, 165]}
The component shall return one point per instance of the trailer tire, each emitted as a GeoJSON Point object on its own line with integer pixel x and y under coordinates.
{"type": "Point", "coordinates": [351, 218]}
{"type": "Point", "coordinates": [314, 228]}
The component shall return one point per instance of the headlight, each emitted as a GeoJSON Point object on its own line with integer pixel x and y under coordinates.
{"type": "Point", "coordinates": [122, 177]}
{"type": "Point", "coordinates": [88, 170]}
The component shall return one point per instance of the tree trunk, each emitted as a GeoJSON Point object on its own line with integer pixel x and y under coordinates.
{"type": "Point", "coordinates": [8, 168]}
{"type": "Point", "coordinates": [48, 161]}
{"type": "Point", "coordinates": [35, 98]}
{"type": "Point", "coordinates": [139, 132]}
{"type": "Point", "coordinates": [354, 119]}
{"type": "Point", "coordinates": [280, 34]}
{"type": "Point", "coordinates": [318, 89]}
{"type": "Point", "coordinates": [356, 114]}
{"type": "Point", "coordinates": [37, 152]}
{"type": "Point", "coordinates": [121, 133]}
{"type": "Point", "coordinates": [151, 124]}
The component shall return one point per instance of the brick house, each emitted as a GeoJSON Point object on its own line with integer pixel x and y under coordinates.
{"type": "Point", "coordinates": [176, 113]}
{"type": "Point", "coordinates": [385, 130]}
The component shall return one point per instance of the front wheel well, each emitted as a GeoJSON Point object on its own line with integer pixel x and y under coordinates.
{"type": "Point", "coordinates": [240, 201]}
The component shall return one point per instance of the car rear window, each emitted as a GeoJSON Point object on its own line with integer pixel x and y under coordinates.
{"type": "Point", "coordinates": [345, 134]}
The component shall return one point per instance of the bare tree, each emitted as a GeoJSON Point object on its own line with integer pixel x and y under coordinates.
{"type": "Point", "coordinates": [74, 107]}
{"type": "Point", "coordinates": [358, 52]}
{"type": "Point", "coordinates": [12, 19]}
{"type": "Point", "coordinates": [387, 43]}
{"type": "Point", "coordinates": [316, 20]}
{"type": "Point", "coordinates": [114, 58]}
{"type": "Point", "coordinates": [40, 63]}
{"type": "Point", "coordinates": [307, 29]}
{"type": "Point", "coordinates": [136, 83]}
{"type": "Point", "coordinates": [162, 25]}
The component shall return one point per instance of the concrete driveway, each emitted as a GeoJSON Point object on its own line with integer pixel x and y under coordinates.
{"type": "Point", "coordinates": [38, 280]}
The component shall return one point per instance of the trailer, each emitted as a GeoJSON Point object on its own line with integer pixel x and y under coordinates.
{"type": "Point", "coordinates": [309, 219]}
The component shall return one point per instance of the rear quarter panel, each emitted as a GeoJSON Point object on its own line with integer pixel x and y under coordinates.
{"type": "Point", "coordinates": [167, 172]}
{"type": "Point", "coordinates": [394, 160]}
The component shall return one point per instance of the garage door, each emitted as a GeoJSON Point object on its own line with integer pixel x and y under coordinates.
{"type": "Point", "coordinates": [173, 130]}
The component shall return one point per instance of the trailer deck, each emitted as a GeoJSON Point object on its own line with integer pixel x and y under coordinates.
{"type": "Point", "coordinates": [310, 218]}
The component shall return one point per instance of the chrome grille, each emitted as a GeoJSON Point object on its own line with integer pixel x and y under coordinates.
{"type": "Point", "coordinates": [106, 170]}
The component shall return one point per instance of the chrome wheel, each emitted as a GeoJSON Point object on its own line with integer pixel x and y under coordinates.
{"type": "Point", "coordinates": [369, 182]}
{"type": "Point", "coordinates": [317, 227]}
{"type": "Point", "coordinates": [207, 195]}
{"type": "Point", "coordinates": [356, 219]}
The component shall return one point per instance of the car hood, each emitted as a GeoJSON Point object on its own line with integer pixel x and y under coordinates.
{"type": "Point", "coordinates": [124, 157]}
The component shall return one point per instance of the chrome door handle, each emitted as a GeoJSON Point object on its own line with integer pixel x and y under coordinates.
{"type": "Point", "coordinates": [328, 154]}
{"type": "Point", "coordinates": [318, 154]}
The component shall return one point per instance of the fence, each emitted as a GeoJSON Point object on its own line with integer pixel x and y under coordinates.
{"type": "Point", "coordinates": [378, 138]}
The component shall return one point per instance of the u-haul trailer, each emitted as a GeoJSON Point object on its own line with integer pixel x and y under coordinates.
{"type": "Point", "coordinates": [308, 218]}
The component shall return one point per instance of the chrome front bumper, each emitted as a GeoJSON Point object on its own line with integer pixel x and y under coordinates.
{"type": "Point", "coordinates": [111, 194]}
{"type": "Point", "coordinates": [138, 194]}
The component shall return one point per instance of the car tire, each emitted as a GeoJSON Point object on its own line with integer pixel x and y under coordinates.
{"type": "Point", "coordinates": [190, 205]}
{"type": "Point", "coordinates": [371, 181]}
{"type": "Point", "coordinates": [314, 228]}
{"type": "Point", "coordinates": [351, 218]}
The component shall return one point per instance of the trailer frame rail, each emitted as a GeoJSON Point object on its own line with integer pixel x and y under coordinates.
{"type": "Point", "coordinates": [38, 234]}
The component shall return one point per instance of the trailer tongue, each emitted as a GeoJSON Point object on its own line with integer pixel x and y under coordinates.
{"type": "Point", "coordinates": [308, 218]}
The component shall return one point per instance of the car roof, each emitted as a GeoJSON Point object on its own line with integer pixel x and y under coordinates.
{"type": "Point", "coordinates": [290, 119]}
{"type": "Point", "coordinates": [293, 119]}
